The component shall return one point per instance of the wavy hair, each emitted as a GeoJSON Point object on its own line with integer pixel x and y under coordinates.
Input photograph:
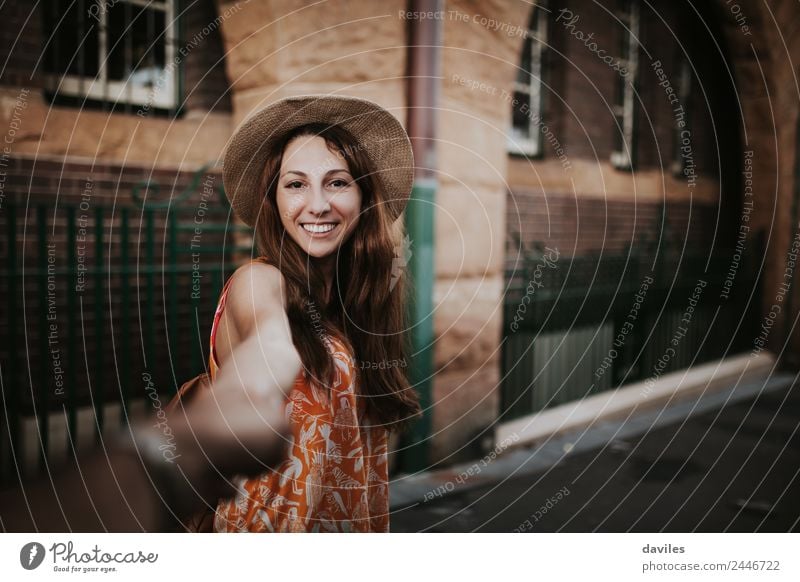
{"type": "Point", "coordinates": [367, 305]}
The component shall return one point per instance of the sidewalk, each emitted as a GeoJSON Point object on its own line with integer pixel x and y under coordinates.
{"type": "Point", "coordinates": [726, 461]}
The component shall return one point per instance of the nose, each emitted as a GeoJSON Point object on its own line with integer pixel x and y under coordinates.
{"type": "Point", "coordinates": [319, 203]}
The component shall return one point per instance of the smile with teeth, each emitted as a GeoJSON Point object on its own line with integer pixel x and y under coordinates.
{"type": "Point", "coordinates": [319, 228]}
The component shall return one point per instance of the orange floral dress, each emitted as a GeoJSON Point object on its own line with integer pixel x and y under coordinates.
{"type": "Point", "coordinates": [335, 475]}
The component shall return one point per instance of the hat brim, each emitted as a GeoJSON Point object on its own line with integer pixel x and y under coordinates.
{"type": "Point", "coordinates": [377, 132]}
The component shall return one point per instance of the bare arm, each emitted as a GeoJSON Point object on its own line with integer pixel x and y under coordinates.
{"type": "Point", "coordinates": [257, 371]}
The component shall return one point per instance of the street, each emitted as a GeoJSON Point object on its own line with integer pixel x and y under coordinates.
{"type": "Point", "coordinates": [731, 468]}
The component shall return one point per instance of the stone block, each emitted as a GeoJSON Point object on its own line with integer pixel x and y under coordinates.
{"type": "Point", "coordinates": [467, 322]}
{"type": "Point", "coordinates": [469, 231]}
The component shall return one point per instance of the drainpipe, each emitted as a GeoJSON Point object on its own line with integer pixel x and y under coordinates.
{"type": "Point", "coordinates": [423, 74]}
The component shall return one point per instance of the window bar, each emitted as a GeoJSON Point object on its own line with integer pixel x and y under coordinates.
{"type": "Point", "coordinates": [128, 64]}
{"type": "Point", "coordinates": [172, 74]}
{"type": "Point", "coordinates": [152, 90]}
{"type": "Point", "coordinates": [624, 158]}
{"type": "Point", "coordinates": [102, 49]}
{"type": "Point", "coordinates": [82, 34]}
{"type": "Point", "coordinates": [536, 82]}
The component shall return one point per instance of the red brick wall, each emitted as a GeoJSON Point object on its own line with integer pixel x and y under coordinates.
{"type": "Point", "coordinates": [589, 225]}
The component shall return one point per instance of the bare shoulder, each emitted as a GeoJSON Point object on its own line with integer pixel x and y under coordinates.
{"type": "Point", "coordinates": [256, 295]}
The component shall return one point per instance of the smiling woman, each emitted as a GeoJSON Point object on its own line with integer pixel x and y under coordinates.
{"type": "Point", "coordinates": [322, 180]}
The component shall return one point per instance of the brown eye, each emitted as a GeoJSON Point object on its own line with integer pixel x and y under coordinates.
{"type": "Point", "coordinates": [294, 184]}
{"type": "Point", "coordinates": [339, 184]}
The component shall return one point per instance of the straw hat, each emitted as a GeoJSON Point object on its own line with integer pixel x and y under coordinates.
{"type": "Point", "coordinates": [376, 131]}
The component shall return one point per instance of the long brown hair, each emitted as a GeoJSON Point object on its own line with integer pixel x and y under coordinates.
{"type": "Point", "coordinates": [367, 305]}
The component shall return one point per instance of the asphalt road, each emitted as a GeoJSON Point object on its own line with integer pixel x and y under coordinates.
{"type": "Point", "coordinates": [734, 468]}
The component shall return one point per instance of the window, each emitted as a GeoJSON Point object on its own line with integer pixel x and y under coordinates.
{"type": "Point", "coordinates": [624, 154]}
{"type": "Point", "coordinates": [526, 117]}
{"type": "Point", "coordinates": [112, 51]}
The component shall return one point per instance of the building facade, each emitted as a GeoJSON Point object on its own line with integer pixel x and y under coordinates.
{"type": "Point", "coordinates": [584, 127]}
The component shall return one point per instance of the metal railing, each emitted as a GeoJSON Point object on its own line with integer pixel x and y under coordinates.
{"type": "Point", "coordinates": [108, 311]}
{"type": "Point", "coordinates": [580, 325]}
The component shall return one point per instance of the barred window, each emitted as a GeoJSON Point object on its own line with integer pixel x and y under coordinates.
{"type": "Point", "coordinates": [526, 118]}
{"type": "Point", "coordinates": [624, 154]}
{"type": "Point", "coordinates": [118, 52]}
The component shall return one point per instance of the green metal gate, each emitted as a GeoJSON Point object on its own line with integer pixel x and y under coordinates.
{"type": "Point", "coordinates": [108, 310]}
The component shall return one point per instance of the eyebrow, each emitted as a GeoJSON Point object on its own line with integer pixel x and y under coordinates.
{"type": "Point", "coordinates": [299, 173]}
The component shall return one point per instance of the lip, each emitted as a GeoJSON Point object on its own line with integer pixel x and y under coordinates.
{"type": "Point", "coordinates": [320, 234]}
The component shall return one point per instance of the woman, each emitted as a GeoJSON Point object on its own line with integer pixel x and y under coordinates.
{"type": "Point", "coordinates": [323, 181]}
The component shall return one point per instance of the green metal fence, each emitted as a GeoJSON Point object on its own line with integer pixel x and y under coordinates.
{"type": "Point", "coordinates": [108, 310]}
{"type": "Point", "coordinates": [575, 326]}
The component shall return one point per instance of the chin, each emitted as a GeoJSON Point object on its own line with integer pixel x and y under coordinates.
{"type": "Point", "coordinates": [318, 254]}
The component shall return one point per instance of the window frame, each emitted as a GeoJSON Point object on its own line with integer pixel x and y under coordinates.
{"type": "Point", "coordinates": [625, 117]}
{"type": "Point", "coordinates": [532, 145]}
{"type": "Point", "coordinates": [123, 92]}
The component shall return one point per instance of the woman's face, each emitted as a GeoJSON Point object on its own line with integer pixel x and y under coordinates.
{"type": "Point", "coordinates": [317, 198]}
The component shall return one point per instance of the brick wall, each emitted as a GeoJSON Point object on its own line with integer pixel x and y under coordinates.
{"type": "Point", "coordinates": [579, 226]}
{"type": "Point", "coordinates": [20, 43]}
